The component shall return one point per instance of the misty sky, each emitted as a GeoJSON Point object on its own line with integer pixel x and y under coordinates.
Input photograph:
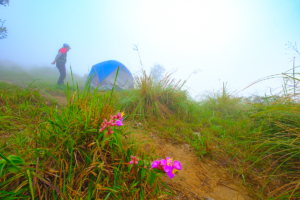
{"type": "Point", "coordinates": [233, 41]}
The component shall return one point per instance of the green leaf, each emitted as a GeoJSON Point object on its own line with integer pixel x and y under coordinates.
{"type": "Point", "coordinates": [133, 184]}
{"type": "Point", "coordinates": [157, 170]}
{"type": "Point", "coordinates": [129, 153]}
{"type": "Point", "coordinates": [140, 162]}
{"type": "Point", "coordinates": [30, 184]}
{"type": "Point", "coordinates": [107, 196]}
{"type": "Point", "coordinates": [12, 170]}
{"type": "Point", "coordinates": [103, 141]}
{"type": "Point", "coordinates": [2, 165]}
{"type": "Point", "coordinates": [142, 193]}
{"type": "Point", "coordinates": [16, 160]}
{"type": "Point", "coordinates": [143, 172]}
{"type": "Point", "coordinates": [7, 160]}
{"type": "Point", "coordinates": [151, 178]}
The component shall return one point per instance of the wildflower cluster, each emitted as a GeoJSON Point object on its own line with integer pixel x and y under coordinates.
{"type": "Point", "coordinates": [167, 166]}
{"type": "Point", "coordinates": [134, 160]}
{"type": "Point", "coordinates": [115, 120]}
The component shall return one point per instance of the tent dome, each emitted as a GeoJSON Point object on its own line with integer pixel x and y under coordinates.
{"type": "Point", "coordinates": [103, 75]}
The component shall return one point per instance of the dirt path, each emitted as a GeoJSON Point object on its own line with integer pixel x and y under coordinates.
{"type": "Point", "coordinates": [203, 179]}
{"type": "Point", "coordinates": [198, 179]}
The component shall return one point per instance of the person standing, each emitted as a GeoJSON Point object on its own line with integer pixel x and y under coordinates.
{"type": "Point", "coordinates": [60, 60]}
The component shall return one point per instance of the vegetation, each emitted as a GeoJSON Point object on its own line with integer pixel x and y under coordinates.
{"type": "Point", "coordinates": [61, 153]}
{"type": "Point", "coordinates": [44, 78]}
{"type": "Point", "coordinates": [256, 141]}
{"type": "Point", "coordinates": [56, 151]}
{"type": "Point", "coordinates": [164, 98]}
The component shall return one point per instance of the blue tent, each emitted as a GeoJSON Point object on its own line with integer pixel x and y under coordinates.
{"type": "Point", "coordinates": [103, 75]}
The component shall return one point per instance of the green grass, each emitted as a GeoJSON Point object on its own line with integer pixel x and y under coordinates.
{"type": "Point", "coordinates": [57, 151]}
{"type": "Point", "coordinates": [260, 142]}
{"type": "Point", "coordinates": [44, 78]}
{"type": "Point", "coordinates": [158, 99]}
{"type": "Point", "coordinates": [60, 153]}
{"type": "Point", "coordinates": [257, 142]}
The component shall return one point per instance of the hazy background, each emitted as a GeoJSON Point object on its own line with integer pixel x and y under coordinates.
{"type": "Point", "coordinates": [234, 41]}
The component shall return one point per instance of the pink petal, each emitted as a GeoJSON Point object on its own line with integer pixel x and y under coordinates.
{"type": "Point", "coordinates": [163, 162]}
{"type": "Point", "coordinates": [169, 160]}
{"type": "Point", "coordinates": [119, 123]}
{"type": "Point", "coordinates": [170, 174]}
{"type": "Point", "coordinates": [119, 116]}
{"type": "Point", "coordinates": [131, 162]}
{"type": "Point", "coordinates": [136, 162]}
{"type": "Point", "coordinates": [168, 169]}
{"type": "Point", "coordinates": [155, 164]}
{"type": "Point", "coordinates": [177, 165]}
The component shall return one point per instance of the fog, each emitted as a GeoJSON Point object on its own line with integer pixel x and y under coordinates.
{"type": "Point", "coordinates": [234, 42]}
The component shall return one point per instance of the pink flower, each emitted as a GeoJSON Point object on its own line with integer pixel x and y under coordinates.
{"type": "Point", "coordinates": [168, 166]}
{"type": "Point", "coordinates": [115, 120]}
{"type": "Point", "coordinates": [103, 125]}
{"type": "Point", "coordinates": [119, 117]}
{"type": "Point", "coordinates": [109, 131]}
{"type": "Point", "coordinates": [155, 164]}
{"type": "Point", "coordinates": [134, 160]}
{"type": "Point", "coordinates": [111, 123]}
{"type": "Point", "coordinates": [118, 123]}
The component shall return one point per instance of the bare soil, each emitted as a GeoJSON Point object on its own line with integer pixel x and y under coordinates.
{"type": "Point", "coordinates": [198, 179]}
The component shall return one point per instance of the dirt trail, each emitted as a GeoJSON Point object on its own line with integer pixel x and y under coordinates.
{"type": "Point", "coordinates": [60, 98]}
{"type": "Point", "coordinates": [198, 179]}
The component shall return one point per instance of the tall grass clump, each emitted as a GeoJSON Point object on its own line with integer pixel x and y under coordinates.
{"type": "Point", "coordinates": [276, 147]}
{"type": "Point", "coordinates": [224, 120]}
{"type": "Point", "coordinates": [226, 110]}
{"type": "Point", "coordinates": [260, 139]}
{"type": "Point", "coordinates": [158, 99]}
{"type": "Point", "coordinates": [223, 103]}
{"type": "Point", "coordinates": [66, 156]}
{"type": "Point", "coordinates": [275, 142]}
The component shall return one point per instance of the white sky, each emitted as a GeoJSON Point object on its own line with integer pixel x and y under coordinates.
{"type": "Point", "coordinates": [233, 41]}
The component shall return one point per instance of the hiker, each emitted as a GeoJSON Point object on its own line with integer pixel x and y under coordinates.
{"type": "Point", "coordinates": [60, 60]}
